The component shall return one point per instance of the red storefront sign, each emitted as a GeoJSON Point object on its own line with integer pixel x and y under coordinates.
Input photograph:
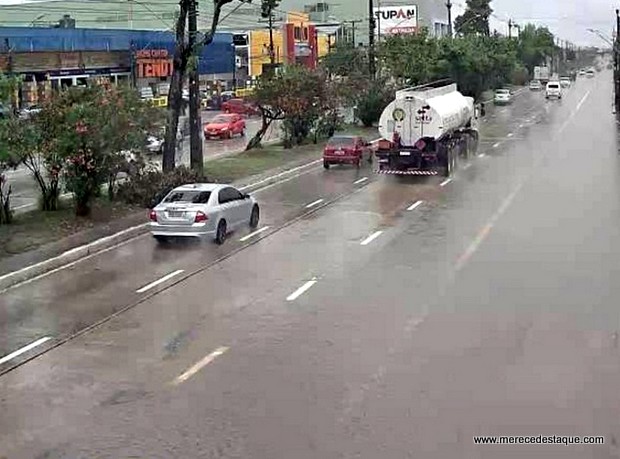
{"type": "Point", "coordinates": [153, 63]}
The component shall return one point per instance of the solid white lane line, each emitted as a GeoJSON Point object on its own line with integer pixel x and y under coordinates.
{"type": "Point", "coordinates": [200, 365]}
{"type": "Point", "coordinates": [315, 203]}
{"type": "Point", "coordinates": [255, 233]}
{"type": "Point", "coordinates": [371, 238]}
{"type": "Point", "coordinates": [466, 166]}
{"type": "Point", "coordinates": [481, 155]}
{"type": "Point", "coordinates": [445, 182]}
{"type": "Point", "coordinates": [160, 281]}
{"type": "Point", "coordinates": [301, 290]}
{"type": "Point", "coordinates": [414, 205]}
{"type": "Point", "coordinates": [19, 352]}
{"type": "Point", "coordinates": [362, 180]}
{"type": "Point", "coordinates": [496, 145]}
{"type": "Point", "coordinates": [510, 135]}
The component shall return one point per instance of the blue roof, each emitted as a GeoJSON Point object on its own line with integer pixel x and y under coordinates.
{"type": "Point", "coordinates": [218, 57]}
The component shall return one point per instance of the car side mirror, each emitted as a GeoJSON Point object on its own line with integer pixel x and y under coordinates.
{"type": "Point", "coordinates": [246, 196]}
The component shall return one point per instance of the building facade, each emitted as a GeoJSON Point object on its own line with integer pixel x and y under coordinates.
{"type": "Point", "coordinates": [53, 58]}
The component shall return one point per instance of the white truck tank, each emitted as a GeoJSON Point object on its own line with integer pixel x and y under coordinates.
{"type": "Point", "coordinates": [445, 111]}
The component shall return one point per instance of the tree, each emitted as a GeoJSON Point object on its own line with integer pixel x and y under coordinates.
{"type": "Point", "coordinates": [536, 44]}
{"type": "Point", "coordinates": [475, 19]}
{"type": "Point", "coordinates": [410, 59]}
{"type": "Point", "coordinates": [300, 97]}
{"type": "Point", "coordinates": [184, 55]}
{"type": "Point", "coordinates": [345, 60]}
{"type": "Point", "coordinates": [81, 136]}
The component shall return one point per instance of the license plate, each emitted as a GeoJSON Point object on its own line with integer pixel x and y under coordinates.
{"type": "Point", "coordinates": [405, 153]}
{"type": "Point", "coordinates": [173, 214]}
{"type": "Point", "coordinates": [339, 152]}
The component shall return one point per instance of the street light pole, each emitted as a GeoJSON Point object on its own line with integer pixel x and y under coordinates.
{"type": "Point", "coordinates": [449, 6]}
{"type": "Point", "coordinates": [371, 39]}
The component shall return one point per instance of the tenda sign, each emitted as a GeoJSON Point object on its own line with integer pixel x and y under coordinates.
{"type": "Point", "coordinates": [397, 19]}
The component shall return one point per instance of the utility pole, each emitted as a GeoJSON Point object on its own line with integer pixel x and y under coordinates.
{"type": "Point", "coordinates": [371, 39]}
{"type": "Point", "coordinates": [509, 29]}
{"type": "Point", "coordinates": [195, 122]}
{"type": "Point", "coordinates": [272, 54]}
{"type": "Point", "coordinates": [449, 6]}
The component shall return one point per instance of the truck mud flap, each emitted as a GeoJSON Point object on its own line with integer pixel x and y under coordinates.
{"type": "Point", "coordinates": [397, 172]}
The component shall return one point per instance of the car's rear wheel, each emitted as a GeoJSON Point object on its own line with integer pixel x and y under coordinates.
{"type": "Point", "coordinates": [255, 216]}
{"type": "Point", "coordinates": [243, 132]}
{"type": "Point", "coordinates": [325, 164]}
{"type": "Point", "coordinates": [220, 233]}
{"type": "Point", "coordinates": [358, 163]}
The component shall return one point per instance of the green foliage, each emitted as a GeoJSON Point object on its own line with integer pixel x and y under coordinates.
{"type": "Point", "coordinates": [300, 97]}
{"type": "Point", "coordinates": [148, 187]}
{"type": "Point", "coordinates": [346, 60]}
{"type": "Point", "coordinates": [6, 215]}
{"type": "Point", "coordinates": [81, 136]}
{"type": "Point", "coordinates": [8, 85]}
{"type": "Point", "coordinates": [410, 59]}
{"type": "Point", "coordinates": [536, 44]}
{"type": "Point", "coordinates": [475, 19]}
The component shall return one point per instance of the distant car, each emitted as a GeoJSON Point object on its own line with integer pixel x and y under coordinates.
{"type": "Point", "coordinates": [553, 90]}
{"type": "Point", "coordinates": [535, 85]}
{"type": "Point", "coordinates": [565, 82]}
{"type": "Point", "coordinates": [185, 94]}
{"type": "Point", "coordinates": [154, 144]}
{"type": "Point", "coordinates": [590, 73]}
{"type": "Point", "coordinates": [343, 149]}
{"type": "Point", "coordinates": [240, 106]}
{"type": "Point", "coordinates": [502, 97]}
{"type": "Point", "coordinates": [225, 126]}
{"type": "Point", "coordinates": [203, 210]}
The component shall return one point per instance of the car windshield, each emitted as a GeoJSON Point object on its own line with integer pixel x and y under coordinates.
{"type": "Point", "coordinates": [188, 196]}
{"type": "Point", "coordinates": [341, 141]}
{"type": "Point", "coordinates": [553, 86]}
{"type": "Point", "coordinates": [502, 92]}
{"type": "Point", "coordinates": [222, 119]}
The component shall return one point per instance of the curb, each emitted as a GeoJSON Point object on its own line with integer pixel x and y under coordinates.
{"type": "Point", "coordinates": [75, 255]}
{"type": "Point", "coordinates": [69, 257]}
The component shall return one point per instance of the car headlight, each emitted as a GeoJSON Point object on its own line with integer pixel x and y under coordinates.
{"type": "Point", "coordinates": [224, 129]}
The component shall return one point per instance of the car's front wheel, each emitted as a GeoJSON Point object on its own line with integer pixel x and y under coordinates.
{"type": "Point", "coordinates": [325, 165]}
{"type": "Point", "coordinates": [255, 216]}
{"type": "Point", "coordinates": [220, 233]}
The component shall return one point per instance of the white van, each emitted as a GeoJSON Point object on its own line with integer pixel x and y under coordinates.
{"type": "Point", "coordinates": [554, 90]}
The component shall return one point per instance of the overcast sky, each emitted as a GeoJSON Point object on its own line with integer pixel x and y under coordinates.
{"type": "Point", "coordinates": [568, 19]}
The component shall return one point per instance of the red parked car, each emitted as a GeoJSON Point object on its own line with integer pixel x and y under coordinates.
{"type": "Point", "coordinates": [346, 150]}
{"type": "Point", "coordinates": [225, 126]}
{"type": "Point", "coordinates": [239, 106]}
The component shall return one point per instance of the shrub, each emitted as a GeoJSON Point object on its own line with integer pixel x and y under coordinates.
{"type": "Point", "coordinates": [148, 187]}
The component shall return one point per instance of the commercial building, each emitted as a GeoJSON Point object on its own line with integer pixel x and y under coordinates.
{"type": "Point", "coordinates": [160, 14]}
{"type": "Point", "coordinates": [49, 58]}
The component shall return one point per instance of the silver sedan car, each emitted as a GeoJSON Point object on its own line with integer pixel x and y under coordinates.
{"type": "Point", "coordinates": [203, 210]}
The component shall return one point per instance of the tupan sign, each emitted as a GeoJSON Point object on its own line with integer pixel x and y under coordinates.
{"type": "Point", "coordinates": [392, 20]}
{"type": "Point", "coordinates": [153, 63]}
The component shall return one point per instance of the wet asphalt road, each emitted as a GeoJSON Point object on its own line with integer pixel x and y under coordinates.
{"type": "Point", "coordinates": [25, 191]}
{"type": "Point", "coordinates": [354, 328]}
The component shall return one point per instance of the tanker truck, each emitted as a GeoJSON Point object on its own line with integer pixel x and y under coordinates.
{"type": "Point", "coordinates": [426, 129]}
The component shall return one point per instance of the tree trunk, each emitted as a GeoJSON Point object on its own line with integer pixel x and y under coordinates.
{"type": "Point", "coordinates": [256, 141]}
{"type": "Point", "coordinates": [176, 90]}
